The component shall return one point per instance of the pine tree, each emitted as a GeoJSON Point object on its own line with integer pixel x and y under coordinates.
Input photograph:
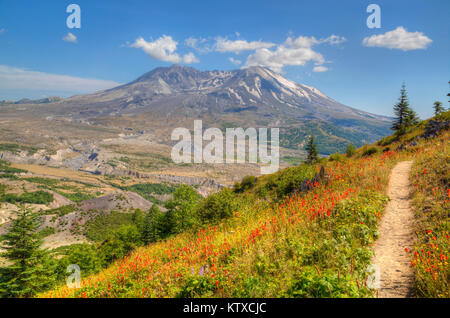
{"type": "Point", "coordinates": [152, 229]}
{"type": "Point", "coordinates": [411, 117]}
{"type": "Point", "coordinates": [448, 94]}
{"type": "Point", "coordinates": [438, 108]}
{"type": "Point", "coordinates": [404, 115]}
{"type": "Point", "coordinates": [312, 155]}
{"type": "Point", "coordinates": [29, 271]}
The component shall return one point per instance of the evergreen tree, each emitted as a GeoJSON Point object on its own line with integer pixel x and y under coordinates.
{"type": "Point", "coordinates": [411, 117]}
{"type": "Point", "coordinates": [312, 155]}
{"type": "Point", "coordinates": [448, 94]}
{"type": "Point", "coordinates": [153, 225]}
{"type": "Point", "coordinates": [30, 269]}
{"type": "Point", "coordinates": [182, 210]}
{"type": "Point", "coordinates": [138, 218]}
{"type": "Point", "coordinates": [438, 108]}
{"type": "Point", "coordinates": [404, 115]}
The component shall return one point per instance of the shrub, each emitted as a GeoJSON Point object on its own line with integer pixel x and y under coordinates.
{"type": "Point", "coordinates": [120, 243]}
{"type": "Point", "coordinates": [77, 196]}
{"type": "Point", "coordinates": [148, 190]}
{"type": "Point", "coordinates": [292, 178]}
{"type": "Point", "coordinates": [98, 228]}
{"type": "Point", "coordinates": [247, 183]}
{"type": "Point", "coordinates": [335, 157]}
{"type": "Point", "coordinates": [38, 197]}
{"type": "Point", "coordinates": [84, 255]}
{"type": "Point", "coordinates": [218, 206]}
{"type": "Point", "coordinates": [388, 140]}
{"type": "Point", "coordinates": [369, 151]}
{"type": "Point", "coordinates": [350, 151]}
{"type": "Point", "coordinates": [61, 211]}
{"type": "Point", "coordinates": [46, 232]}
{"type": "Point", "coordinates": [310, 284]}
{"type": "Point", "coordinates": [182, 211]}
{"type": "Point", "coordinates": [201, 286]}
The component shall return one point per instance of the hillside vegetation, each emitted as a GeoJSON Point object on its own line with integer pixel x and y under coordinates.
{"type": "Point", "coordinates": [293, 235]}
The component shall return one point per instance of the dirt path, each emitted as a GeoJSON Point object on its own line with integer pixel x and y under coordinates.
{"type": "Point", "coordinates": [396, 234]}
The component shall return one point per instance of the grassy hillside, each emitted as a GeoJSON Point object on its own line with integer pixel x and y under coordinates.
{"type": "Point", "coordinates": [291, 238]}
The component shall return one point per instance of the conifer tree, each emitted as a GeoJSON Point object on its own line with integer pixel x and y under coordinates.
{"type": "Point", "coordinates": [153, 227]}
{"type": "Point", "coordinates": [30, 269]}
{"type": "Point", "coordinates": [311, 149]}
{"type": "Point", "coordinates": [438, 108]}
{"type": "Point", "coordinates": [404, 115]}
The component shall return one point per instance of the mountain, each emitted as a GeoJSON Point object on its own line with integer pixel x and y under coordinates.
{"type": "Point", "coordinates": [251, 97]}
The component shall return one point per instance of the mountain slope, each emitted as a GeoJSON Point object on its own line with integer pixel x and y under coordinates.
{"type": "Point", "coordinates": [251, 97]}
{"type": "Point", "coordinates": [317, 242]}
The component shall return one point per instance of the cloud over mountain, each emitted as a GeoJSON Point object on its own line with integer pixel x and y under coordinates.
{"type": "Point", "coordinates": [399, 39]}
{"type": "Point", "coordinates": [224, 45]}
{"type": "Point", "coordinates": [164, 49]}
{"type": "Point", "coordinates": [294, 51]}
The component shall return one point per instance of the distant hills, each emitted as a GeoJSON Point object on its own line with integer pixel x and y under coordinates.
{"type": "Point", "coordinates": [169, 97]}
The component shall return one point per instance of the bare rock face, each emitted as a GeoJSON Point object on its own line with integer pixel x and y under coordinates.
{"type": "Point", "coordinates": [122, 201]}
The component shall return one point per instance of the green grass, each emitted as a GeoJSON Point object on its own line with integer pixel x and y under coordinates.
{"type": "Point", "coordinates": [43, 181]}
{"type": "Point", "coordinates": [97, 229]}
{"type": "Point", "coordinates": [16, 148]}
{"type": "Point", "coordinates": [148, 190]}
{"type": "Point", "coordinates": [77, 196]}
{"type": "Point", "coordinates": [46, 232]}
{"type": "Point", "coordinates": [61, 211]}
{"type": "Point", "coordinates": [5, 167]}
{"type": "Point", "coordinates": [9, 176]}
{"type": "Point", "coordinates": [293, 160]}
{"type": "Point", "coordinates": [38, 197]}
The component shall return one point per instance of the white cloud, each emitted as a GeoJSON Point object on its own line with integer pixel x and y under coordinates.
{"type": "Point", "coordinates": [333, 39]}
{"type": "Point", "coordinates": [294, 51]}
{"type": "Point", "coordinates": [190, 58]}
{"type": "Point", "coordinates": [192, 42]}
{"type": "Point", "coordinates": [304, 41]}
{"type": "Point", "coordinates": [198, 44]}
{"type": "Point", "coordinates": [320, 68]}
{"type": "Point", "coordinates": [164, 49]}
{"type": "Point", "coordinates": [235, 61]}
{"type": "Point", "coordinates": [399, 39]}
{"type": "Point", "coordinates": [224, 45]}
{"type": "Point", "coordinates": [70, 38]}
{"type": "Point", "coordinates": [12, 78]}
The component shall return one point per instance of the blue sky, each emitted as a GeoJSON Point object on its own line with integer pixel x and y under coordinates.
{"type": "Point", "coordinates": [318, 43]}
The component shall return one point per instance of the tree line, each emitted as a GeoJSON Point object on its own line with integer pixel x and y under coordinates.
{"type": "Point", "coordinates": [405, 117]}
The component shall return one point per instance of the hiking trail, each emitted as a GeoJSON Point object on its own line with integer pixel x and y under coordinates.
{"type": "Point", "coordinates": [396, 233]}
